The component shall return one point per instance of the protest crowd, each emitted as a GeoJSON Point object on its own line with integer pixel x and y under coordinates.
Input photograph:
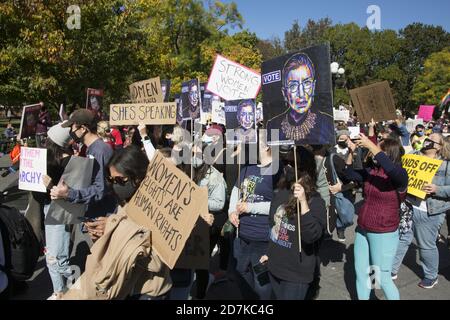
{"type": "Point", "coordinates": [159, 188]}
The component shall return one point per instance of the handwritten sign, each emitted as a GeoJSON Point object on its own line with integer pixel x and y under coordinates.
{"type": "Point", "coordinates": [168, 203]}
{"type": "Point", "coordinates": [426, 113]}
{"type": "Point", "coordinates": [374, 101]}
{"type": "Point", "coordinates": [354, 131]}
{"type": "Point", "coordinates": [146, 113]}
{"type": "Point", "coordinates": [232, 81]}
{"type": "Point", "coordinates": [421, 171]}
{"type": "Point", "coordinates": [33, 166]}
{"type": "Point", "coordinates": [147, 91]}
{"type": "Point", "coordinates": [218, 112]}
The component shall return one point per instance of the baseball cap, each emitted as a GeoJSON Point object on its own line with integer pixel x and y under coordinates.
{"type": "Point", "coordinates": [81, 117]}
{"type": "Point", "coordinates": [214, 129]}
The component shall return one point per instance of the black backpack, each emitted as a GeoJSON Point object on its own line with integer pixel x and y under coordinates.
{"type": "Point", "coordinates": [22, 248]}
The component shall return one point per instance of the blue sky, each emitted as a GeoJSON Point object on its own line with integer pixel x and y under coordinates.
{"type": "Point", "coordinates": [268, 18]}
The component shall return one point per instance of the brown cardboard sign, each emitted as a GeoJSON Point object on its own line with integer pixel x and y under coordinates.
{"type": "Point", "coordinates": [168, 203]}
{"type": "Point", "coordinates": [146, 113]}
{"type": "Point", "coordinates": [374, 101]}
{"type": "Point", "coordinates": [146, 91]}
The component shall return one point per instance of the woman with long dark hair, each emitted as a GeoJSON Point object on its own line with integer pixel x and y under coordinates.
{"type": "Point", "coordinates": [57, 236]}
{"type": "Point", "coordinates": [290, 271]}
{"type": "Point", "coordinates": [385, 182]}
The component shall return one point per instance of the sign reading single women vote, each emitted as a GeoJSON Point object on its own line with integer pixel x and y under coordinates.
{"type": "Point", "coordinates": [33, 167]}
{"type": "Point", "coordinates": [146, 113]}
{"type": "Point", "coordinates": [421, 171]}
{"type": "Point", "coordinates": [146, 91]}
{"type": "Point", "coordinates": [168, 203]}
{"type": "Point", "coordinates": [232, 81]}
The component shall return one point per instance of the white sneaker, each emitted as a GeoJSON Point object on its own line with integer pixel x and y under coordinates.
{"type": "Point", "coordinates": [55, 296]}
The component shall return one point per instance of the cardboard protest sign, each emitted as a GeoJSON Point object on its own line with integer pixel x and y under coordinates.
{"type": "Point", "coordinates": [191, 99]}
{"type": "Point", "coordinates": [146, 113]}
{"type": "Point", "coordinates": [94, 99]}
{"type": "Point", "coordinates": [195, 254]}
{"type": "Point", "coordinates": [426, 113]}
{"type": "Point", "coordinates": [77, 175]}
{"type": "Point", "coordinates": [146, 91]}
{"type": "Point", "coordinates": [374, 101]}
{"type": "Point", "coordinates": [28, 123]}
{"type": "Point", "coordinates": [298, 99]}
{"type": "Point", "coordinates": [232, 81]}
{"type": "Point", "coordinates": [421, 171]}
{"type": "Point", "coordinates": [165, 89]}
{"type": "Point", "coordinates": [341, 115]}
{"type": "Point", "coordinates": [241, 117]}
{"type": "Point", "coordinates": [33, 167]}
{"type": "Point", "coordinates": [218, 112]}
{"type": "Point", "coordinates": [168, 203]}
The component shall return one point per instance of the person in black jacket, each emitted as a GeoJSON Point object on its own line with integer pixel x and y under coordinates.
{"type": "Point", "coordinates": [290, 271]}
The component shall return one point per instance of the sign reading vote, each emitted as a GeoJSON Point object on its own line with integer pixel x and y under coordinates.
{"type": "Point", "coordinates": [421, 171]}
{"type": "Point", "coordinates": [33, 167]}
{"type": "Point", "coordinates": [232, 81]}
{"type": "Point", "coordinates": [146, 91]}
{"type": "Point", "coordinates": [168, 203]}
{"type": "Point", "coordinates": [146, 113]}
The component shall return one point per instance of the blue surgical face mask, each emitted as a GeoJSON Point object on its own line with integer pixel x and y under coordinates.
{"type": "Point", "coordinates": [207, 139]}
{"type": "Point", "coordinates": [420, 133]}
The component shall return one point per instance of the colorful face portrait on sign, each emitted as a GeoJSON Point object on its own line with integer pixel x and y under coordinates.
{"type": "Point", "coordinates": [297, 97]}
{"type": "Point", "coordinates": [94, 102]}
{"type": "Point", "coordinates": [190, 94]}
{"type": "Point", "coordinates": [29, 120]}
{"type": "Point", "coordinates": [240, 116]}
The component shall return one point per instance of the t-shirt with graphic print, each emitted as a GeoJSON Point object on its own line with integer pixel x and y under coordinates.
{"type": "Point", "coordinates": [256, 187]}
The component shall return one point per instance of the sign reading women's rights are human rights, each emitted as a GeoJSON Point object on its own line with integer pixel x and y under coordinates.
{"type": "Point", "coordinates": [233, 81]}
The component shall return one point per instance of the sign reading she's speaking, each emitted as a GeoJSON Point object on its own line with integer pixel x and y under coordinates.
{"type": "Point", "coordinates": [146, 113]}
{"type": "Point", "coordinates": [421, 171]}
{"type": "Point", "coordinates": [146, 91]}
{"type": "Point", "coordinates": [33, 167]}
{"type": "Point", "coordinates": [168, 203]}
{"type": "Point", "coordinates": [232, 81]}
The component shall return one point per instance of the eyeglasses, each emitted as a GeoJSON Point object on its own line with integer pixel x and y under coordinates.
{"type": "Point", "coordinates": [294, 86]}
{"type": "Point", "coordinates": [117, 180]}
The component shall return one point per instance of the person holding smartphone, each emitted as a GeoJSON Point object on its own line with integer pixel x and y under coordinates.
{"type": "Point", "coordinates": [290, 271]}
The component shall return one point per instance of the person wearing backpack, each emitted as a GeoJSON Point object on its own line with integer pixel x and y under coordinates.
{"type": "Point", "coordinates": [377, 237]}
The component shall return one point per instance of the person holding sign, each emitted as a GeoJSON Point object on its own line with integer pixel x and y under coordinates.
{"type": "Point", "coordinates": [385, 183]}
{"type": "Point", "coordinates": [127, 169]}
{"type": "Point", "coordinates": [428, 215]}
{"type": "Point", "coordinates": [291, 272]}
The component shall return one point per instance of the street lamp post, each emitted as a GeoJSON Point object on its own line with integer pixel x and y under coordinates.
{"type": "Point", "coordinates": [336, 72]}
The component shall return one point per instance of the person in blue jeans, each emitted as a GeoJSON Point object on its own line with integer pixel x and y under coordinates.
{"type": "Point", "coordinates": [428, 214]}
{"type": "Point", "coordinates": [249, 211]}
{"type": "Point", "coordinates": [385, 183]}
{"type": "Point", "coordinates": [57, 236]}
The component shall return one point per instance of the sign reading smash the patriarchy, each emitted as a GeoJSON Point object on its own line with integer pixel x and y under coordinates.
{"type": "Point", "coordinates": [146, 113]}
{"type": "Point", "coordinates": [168, 203]}
{"type": "Point", "coordinates": [421, 171]}
{"type": "Point", "coordinates": [33, 167]}
{"type": "Point", "coordinates": [232, 81]}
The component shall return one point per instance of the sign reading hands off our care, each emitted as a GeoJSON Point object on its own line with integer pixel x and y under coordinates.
{"type": "Point", "coordinates": [421, 171]}
{"type": "Point", "coordinates": [232, 81]}
{"type": "Point", "coordinates": [168, 203]}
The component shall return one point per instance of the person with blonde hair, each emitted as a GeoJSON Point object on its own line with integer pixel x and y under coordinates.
{"type": "Point", "coordinates": [104, 132]}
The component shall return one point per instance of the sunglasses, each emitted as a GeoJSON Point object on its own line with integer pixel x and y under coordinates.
{"type": "Point", "coordinates": [117, 180]}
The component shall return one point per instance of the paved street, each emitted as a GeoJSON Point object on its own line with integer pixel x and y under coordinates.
{"type": "Point", "coordinates": [337, 282]}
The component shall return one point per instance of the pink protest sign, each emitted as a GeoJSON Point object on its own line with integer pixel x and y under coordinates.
{"type": "Point", "coordinates": [426, 113]}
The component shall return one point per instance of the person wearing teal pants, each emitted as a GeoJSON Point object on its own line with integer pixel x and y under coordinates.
{"type": "Point", "coordinates": [375, 252]}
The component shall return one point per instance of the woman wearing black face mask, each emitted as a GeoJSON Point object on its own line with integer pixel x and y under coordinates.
{"type": "Point", "coordinates": [127, 169]}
